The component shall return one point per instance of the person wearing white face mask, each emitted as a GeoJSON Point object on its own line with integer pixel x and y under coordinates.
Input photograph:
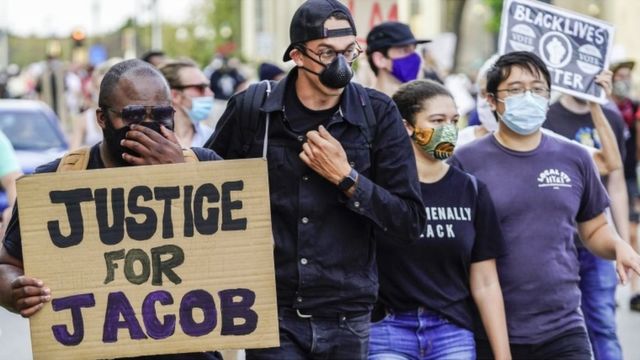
{"type": "Point", "coordinates": [606, 157]}
{"type": "Point", "coordinates": [484, 113]}
{"type": "Point", "coordinates": [192, 99]}
{"type": "Point", "coordinates": [544, 188]}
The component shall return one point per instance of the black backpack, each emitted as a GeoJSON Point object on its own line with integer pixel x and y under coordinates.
{"type": "Point", "coordinates": [254, 97]}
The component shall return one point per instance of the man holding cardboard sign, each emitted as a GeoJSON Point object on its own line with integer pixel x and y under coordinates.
{"type": "Point", "coordinates": [136, 116]}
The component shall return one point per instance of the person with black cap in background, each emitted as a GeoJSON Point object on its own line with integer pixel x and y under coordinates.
{"type": "Point", "coordinates": [391, 52]}
{"type": "Point", "coordinates": [268, 71]}
{"type": "Point", "coordinates": [341, 176]}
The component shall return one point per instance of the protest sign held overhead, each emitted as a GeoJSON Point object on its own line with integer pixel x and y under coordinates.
{"type": "Point", "coordinates": [576, 48]}
{"type": "Point", "coordinates": [143, 260]}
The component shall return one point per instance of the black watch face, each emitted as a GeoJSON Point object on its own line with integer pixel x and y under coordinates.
{"type": "Point", "coordinates": [346, 183]}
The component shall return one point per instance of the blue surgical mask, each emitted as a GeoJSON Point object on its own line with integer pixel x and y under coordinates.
{"type": "Point", "coordinates": [200, 108]}
{"type": "Point", "coordinates": [406, 68]}
{"type": "Point", "coordinates": [525, 113]}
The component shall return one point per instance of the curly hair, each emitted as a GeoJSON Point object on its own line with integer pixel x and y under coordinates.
{"type": "Point", "coordinates": [410, 98]}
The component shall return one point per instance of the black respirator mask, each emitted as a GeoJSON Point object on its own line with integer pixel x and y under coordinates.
{"type": "Point", "coordinates": [336, 75]}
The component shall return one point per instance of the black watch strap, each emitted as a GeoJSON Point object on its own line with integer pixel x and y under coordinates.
{"type": "Point", "coordinates": [348, 180]}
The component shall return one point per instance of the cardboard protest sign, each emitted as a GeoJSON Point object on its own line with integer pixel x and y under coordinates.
{"type": "Point", "coordinates": [575, 48]}
{"type": "Point", "coordinates": [151, 259]}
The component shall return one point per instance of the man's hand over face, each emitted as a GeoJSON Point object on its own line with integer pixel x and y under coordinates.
{"type": "Point", "coordinates": [153, 147]}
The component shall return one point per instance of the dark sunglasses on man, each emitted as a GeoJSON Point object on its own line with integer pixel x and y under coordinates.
{"type": "Point", "coordinates": [135, 114]}
{"type": "Point", "coordinates": [202, 87]}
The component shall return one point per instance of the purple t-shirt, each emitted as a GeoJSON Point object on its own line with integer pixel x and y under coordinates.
{"type": "Point", "coordinates": [539, 195]}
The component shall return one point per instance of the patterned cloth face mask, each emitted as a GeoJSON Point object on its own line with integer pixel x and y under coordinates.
{"type": "Point", "coordinates": [438, 143]}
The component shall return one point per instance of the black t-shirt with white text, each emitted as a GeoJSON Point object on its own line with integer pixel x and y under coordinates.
{"type": "Point", "coordinates": [461, 229]}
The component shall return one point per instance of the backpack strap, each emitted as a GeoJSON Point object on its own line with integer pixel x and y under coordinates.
{"type": "Point", "coordinates": [189, 156]}
{"type": "Point", "coordinates": [74, 160]}
{"type": "Point", "coordinates": [79, 159]}
{"type": "Point", "coordinates": [250, 107]}
{"type": "Point", "coordinates": [369, 131]}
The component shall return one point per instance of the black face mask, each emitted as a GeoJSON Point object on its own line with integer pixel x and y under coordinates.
{"type": "Point", "coordinates": [113, 137]}
{"type": "Point", "coordinates": [336, 75]}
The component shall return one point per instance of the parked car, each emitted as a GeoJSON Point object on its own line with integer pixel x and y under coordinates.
{"type": "Point", "coordinates": [35, 133]}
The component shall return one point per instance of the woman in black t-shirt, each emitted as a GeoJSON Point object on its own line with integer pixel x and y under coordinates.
{"type": "Point", "coordinates": [428, 289]}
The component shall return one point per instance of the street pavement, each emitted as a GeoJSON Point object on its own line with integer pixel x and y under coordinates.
{"type": "Point", "coordinates": [628, 325]}
{"type": "Point", "coordinates": [15, 341]}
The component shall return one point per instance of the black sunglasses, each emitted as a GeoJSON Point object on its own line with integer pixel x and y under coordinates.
{"type": "Point", "coordinates": [201, 87]}
{"type": "Point", "coordinates": [134, 114]}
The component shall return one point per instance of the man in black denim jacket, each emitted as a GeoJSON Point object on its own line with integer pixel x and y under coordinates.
{"type": "Point", "coordinates": [333, 192]}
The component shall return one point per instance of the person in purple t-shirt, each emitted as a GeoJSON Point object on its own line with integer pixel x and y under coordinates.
{"type": "Point", "coordinates": [543, 187]}
{"type": "Point", "coordinates": [428, 289]}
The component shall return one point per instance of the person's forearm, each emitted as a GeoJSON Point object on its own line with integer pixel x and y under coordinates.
{"type": "Point", "coordinates": [487, 295]}
{"type": "Point", "coordinates": [6, 216]}
{"type": "Point", "coordinates": [8, 273]}
{"type": "Point", "coordinates": [600, 239]}
{"type": "Point", "coordinates": [9, 184]}
{"type": "Point", "coordinates": [617, 189]}
{"type": "Point", "coordinates": [609, 150]}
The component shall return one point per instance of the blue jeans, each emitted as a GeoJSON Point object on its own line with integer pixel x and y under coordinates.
{"type": "Point", "coordinates": [419, 334]}
{"type": "Point", "coordinates": [329, 337]}
{"type": "Point", "coordinates": [598, 281]}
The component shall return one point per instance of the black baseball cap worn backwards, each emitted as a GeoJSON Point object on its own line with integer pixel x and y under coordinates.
{"type": "Point", "coordinates": [388, 34]}
{"type": "Point", "coordinates": [308, 23]}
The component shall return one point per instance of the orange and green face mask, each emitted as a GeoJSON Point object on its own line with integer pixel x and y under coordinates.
{"type": "Point", "coordinates": [439, 142]}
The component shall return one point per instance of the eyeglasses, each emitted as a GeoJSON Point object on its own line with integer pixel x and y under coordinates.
{"type": "Point", "coordinates": [201, 87]}
{"type": "Point", "coordinates": [134, 114]}
{"type": "Point", "coordinates": [327, 55]}
{"type": "Point", "coordinates": [537, 90]}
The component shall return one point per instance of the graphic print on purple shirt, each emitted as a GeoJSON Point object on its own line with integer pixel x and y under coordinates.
{"type": "Point", "coordinates": [539, 195]}
{"type": "Point", "coordinates": [462, 228]}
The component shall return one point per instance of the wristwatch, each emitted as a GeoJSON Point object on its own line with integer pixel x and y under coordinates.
{"type": "Point", "coordinates": [349, 180]}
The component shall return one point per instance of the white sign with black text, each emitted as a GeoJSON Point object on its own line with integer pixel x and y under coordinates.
{"type": "Point", "coordinates": [576, 48]}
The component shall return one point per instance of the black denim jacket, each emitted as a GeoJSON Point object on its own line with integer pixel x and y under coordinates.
{"type": "Point", "coordinates": [324, 241]}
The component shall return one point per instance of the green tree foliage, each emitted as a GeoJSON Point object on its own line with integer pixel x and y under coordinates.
{"type": "Point", "coordinates": [225, 18]}
{"type": "Point", "coordinates": [213, 25]}
{"type": "Point", "coordinates": [493, 24]}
